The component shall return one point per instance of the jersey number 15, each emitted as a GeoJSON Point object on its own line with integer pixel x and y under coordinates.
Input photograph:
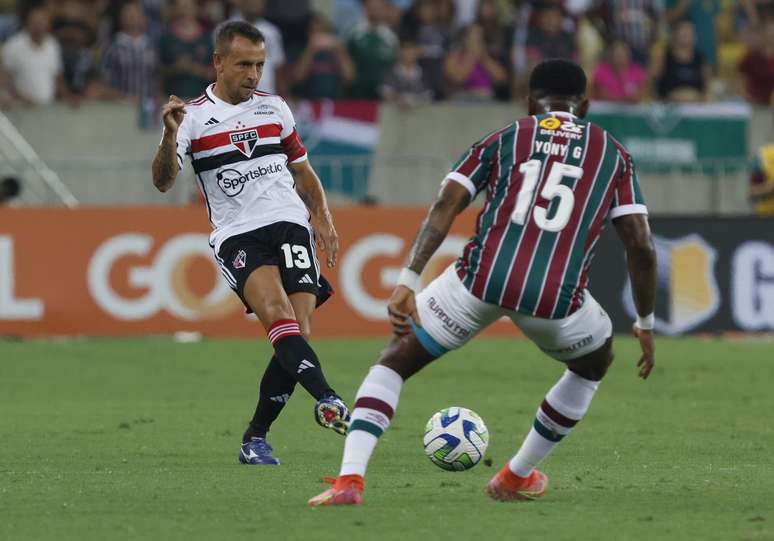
{"type": "Point", "coordinates": [551, 189]}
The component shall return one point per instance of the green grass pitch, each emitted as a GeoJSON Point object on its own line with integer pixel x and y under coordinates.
{"type": "Point", "coordinates": [108, 439]}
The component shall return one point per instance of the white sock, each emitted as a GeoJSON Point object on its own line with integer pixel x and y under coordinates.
{"type": "Point", "coordinates": [375, 405]}
{"type": "Point", "coordinates": [565, 404]}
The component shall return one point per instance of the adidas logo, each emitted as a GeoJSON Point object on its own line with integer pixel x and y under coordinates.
{"type": "Point", "coordinates": [212, 121]}
{"type": "Point", "coordinates": [282, 399]}
{"type": "Point", "coordinates": [304, 365]}
{"type": "Point", "coordinates": [306, 279]}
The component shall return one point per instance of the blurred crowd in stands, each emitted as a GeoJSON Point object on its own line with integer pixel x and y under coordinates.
{"type": "Point", "coordinates": [405, 51]}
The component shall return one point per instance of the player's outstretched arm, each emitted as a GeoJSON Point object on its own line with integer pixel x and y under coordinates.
{"type": "Point", "coordinates": [165, 166]}
{"type": "Point", "coordinates": [452, 200]}
{"type": "Point", "coordinates": [634, 231]}
{"type": "Point", "coordinates": [310, 190]}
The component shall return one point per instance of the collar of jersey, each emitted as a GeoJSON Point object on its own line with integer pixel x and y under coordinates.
{"type": "Point", "coordinates": [217, 100]}
{"type": "Point", "coordinates": [564, 113]}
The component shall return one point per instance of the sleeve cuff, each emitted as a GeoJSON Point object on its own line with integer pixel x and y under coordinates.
{"type": "Point", "coordinates": [461, 179]}
{"type": "Point", "coordinates": [623, 210]}
{"type": "Point", "coordinates": [301, 158]}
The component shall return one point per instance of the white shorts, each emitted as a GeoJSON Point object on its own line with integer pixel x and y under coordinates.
{"type": "Point", "coordinates": [451, 315]}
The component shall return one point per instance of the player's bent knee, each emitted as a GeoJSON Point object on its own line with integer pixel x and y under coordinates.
{"type": "Point", "coordinates": [595, 365]}
{"type": "Point", "coordinates": [306, 329]}
{"type": "Point", "coordinates": [276, 310]}
{"type": "Point", "coordinates": [405, 355]}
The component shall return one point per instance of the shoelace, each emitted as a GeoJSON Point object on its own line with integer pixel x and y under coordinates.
{"type": "Point", "coordinates": [260, 446]}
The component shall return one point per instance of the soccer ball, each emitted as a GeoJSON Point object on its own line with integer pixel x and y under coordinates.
{"type": "Point", "coordinates": [455, 439]}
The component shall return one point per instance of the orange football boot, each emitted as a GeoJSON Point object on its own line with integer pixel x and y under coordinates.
{"type": "Point", "coordinates": [346, 490]}
{"type": "Point", "coordinates": [506, 486]}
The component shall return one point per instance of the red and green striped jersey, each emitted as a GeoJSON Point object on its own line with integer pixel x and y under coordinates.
{"type": "Point", "coordinates": [551, 182]}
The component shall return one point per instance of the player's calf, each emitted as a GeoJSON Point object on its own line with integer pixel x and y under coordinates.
{"type": "Point", "coordinates": [377, 400]}
{"type": "Point", "coordinates": [564, 405]}
{"type": "Point", "coordinates": [276, 389]}
{"type": "Point", "coordinates": [298, 358]}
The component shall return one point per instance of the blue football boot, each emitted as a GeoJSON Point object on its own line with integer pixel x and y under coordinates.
{"type": "Point", "coordinates": [258, 452]}
{"type": "Point", "coordinates": [331, 412]}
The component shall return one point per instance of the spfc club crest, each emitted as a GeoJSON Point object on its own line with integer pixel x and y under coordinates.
{"type": "Point", "coordinates": [245, 141]}
{"type": "Point", "coordinates": [239, 260]}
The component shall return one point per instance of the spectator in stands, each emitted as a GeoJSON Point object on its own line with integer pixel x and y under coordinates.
{"type": "Point", "coordinates": [185, 51]}
{"type": "Point", "coordinates": [464, 12]}
{"type": "Point", "coordinates": [423, 27]}
{"type": "Point", "coordinates": [348, 14]}
{"type": "Point", "coordinates": [702, 14]}
{"type": "Point", "coordinates": [447, 13]}
{"type": "Point", "coordinates": [757, 67]}
{"type": "Point", "coordinates": [8, 19]}
{"type": "Point", "coordinates": [324, 69]}
{"type": "Point", "coordinates": [682, 74]}
{"type": "Point", "coordinates": [89, 14]}
{"type": "Point", "coordinates": [212, 13]}
{"type": "Point", "coordinates": [549, 39]}
{"type": "Point", "coordinates": [618, 78]}
{"type": "Point", "coordinates": [79, 59]}
{"type": "Point", "coordinates": [498, 36]}
{"type": "Point", "coordinates": [762, 182]}
{"type": "Point", "coordinates": [130, 60]}
{"type": "Point", "coordinates": [635, 22]}
{"type": "Point", "coordinates": [32, 61]}
{"type": "Point", "coordinates": [293, 18]}
{"type": "Point", "coordinates": [471, 70]}
{"type": "Point", "coordinates": [10, 187]}
{"type": "Point", "coordinates": [253, 12]}
{"type": "Point", "coordinates": [405, 84]}
{"type": "Point", "coordinates": [374, 49]}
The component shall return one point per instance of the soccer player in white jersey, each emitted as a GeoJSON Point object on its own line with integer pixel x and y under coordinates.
{"type": "Point", "coordinates": [259, 188]}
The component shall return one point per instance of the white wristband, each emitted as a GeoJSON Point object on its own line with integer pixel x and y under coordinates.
{"type": "Point", "coordinates": [646, 323]}
{"type": "Point", "coordinates": [408, 278]}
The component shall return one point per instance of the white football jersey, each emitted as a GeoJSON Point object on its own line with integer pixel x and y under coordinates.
{"type": "Point", "coordinates": [240, 155]}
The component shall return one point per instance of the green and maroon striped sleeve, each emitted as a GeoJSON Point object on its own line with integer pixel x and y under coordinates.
{"type": "Point", "coordinates": [627, 197]}
{"type": "Point", "coordinates": [473, 168]}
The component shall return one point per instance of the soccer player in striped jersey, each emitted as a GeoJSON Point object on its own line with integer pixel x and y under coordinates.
{"type": "Point", "coordinates": [551, 181]}
{"type": "Point", "coordinates": [259, 187]}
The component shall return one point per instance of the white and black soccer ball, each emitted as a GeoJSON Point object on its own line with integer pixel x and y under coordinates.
{"type": "Point", "coordinates": [456, 439]}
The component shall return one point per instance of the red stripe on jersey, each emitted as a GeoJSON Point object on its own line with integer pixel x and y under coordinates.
{"type": "Point", "coordinates": [222, 139]}
{"type": "Point", "coordinates": [494, 175]}
{"type": "Point", "coordinates": [525, 133]}
{"type": "Point", "coordinates": [490, 191]}
{"type": "Point", "coordinates": [469, 166]}
{"type": "Point", "coordinates": [553, 282]}
{"type": "Point", "coordinates": [528, 242]}
{"type": "Point", "coordinates": [594, 231]}
{"type": "Point", "coordinates": [293, 146]}
{"type": "Point", "coordinates": [197, 99]}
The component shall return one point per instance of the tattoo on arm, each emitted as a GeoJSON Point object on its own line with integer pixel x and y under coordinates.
{"type": "Point", "coordinates": [427, 242]}
{"type": "Point", "coordinates": [310, 190]}
{"type": "Point", "coordinates": [436, 226]}
{"type": "Point", "coordinates": [165, 164]}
